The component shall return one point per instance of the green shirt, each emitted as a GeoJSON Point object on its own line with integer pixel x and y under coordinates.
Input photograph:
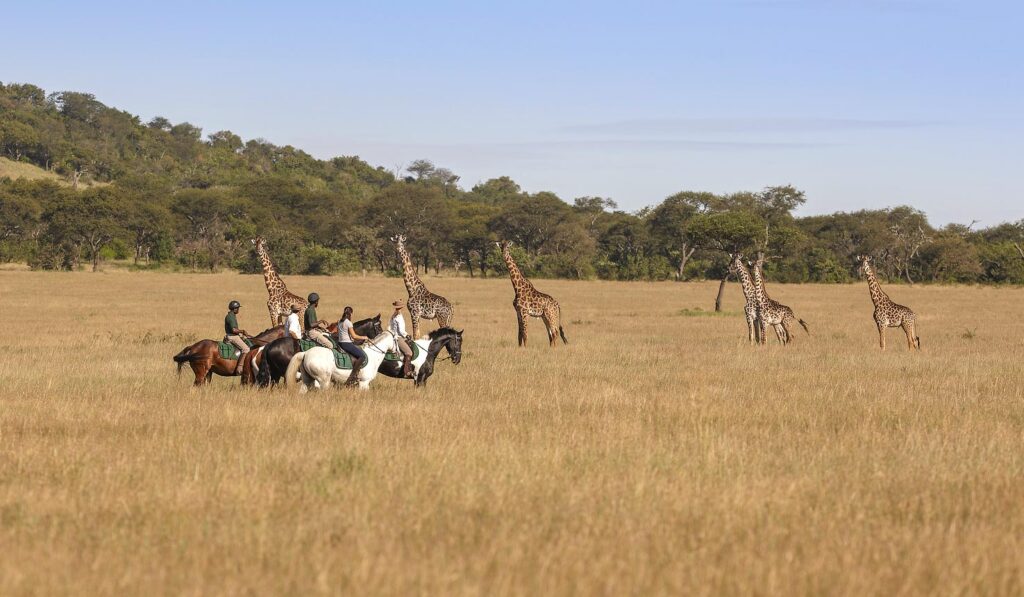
{"type": "Point", "coordinates": [230, 324]}
{"type": "Point", "coordinates": [310, 317]}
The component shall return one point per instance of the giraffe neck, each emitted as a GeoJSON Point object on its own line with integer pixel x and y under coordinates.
{"type": "Point", "coordinates": [517, 277]}
{"type": "Point", "coordinates": [748, 285]}
{"type": "Point", "coordinates": [412, 281]}
{"type": "Point", "coordinates": [877, 295]}
{"type": "Point", "coordinates": [270, 276]}
{"type": "Point", "coordinates": [759, 293]}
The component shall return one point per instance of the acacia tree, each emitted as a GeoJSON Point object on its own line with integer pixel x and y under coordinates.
{"type": "Point", "coordinates": [89, 220]}
{"type": "Point", "coordinates": [668, 223]}
{"type": "Point", "coordinates": [726, 232]}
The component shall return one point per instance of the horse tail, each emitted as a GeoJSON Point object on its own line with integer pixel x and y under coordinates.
{"type": "Point", "coordinates": [804, 325]}
{"type": "Point", "coordinates": [185, 356]}
{"type": "Point", "coordinates": [293, 368]}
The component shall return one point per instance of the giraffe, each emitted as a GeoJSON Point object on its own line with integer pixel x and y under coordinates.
{"type": "Point", "coordinates": [530, 302]}
{"type": "Point", "coordinates": [888, 313]}
{"type": "Point", "coordinates": [280, 301]}
{"type": "Point", "coordinates": [422, 304]}
{"type": "Point", "coordinates": [771, 312]}
{"type": "Point", "coordinates": [749, 293]}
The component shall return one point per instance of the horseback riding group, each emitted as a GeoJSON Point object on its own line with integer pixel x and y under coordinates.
{"type": "Point", "coordinates": [346, 352]}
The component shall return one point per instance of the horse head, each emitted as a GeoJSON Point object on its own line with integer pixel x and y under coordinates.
{"type": "Point", "coordinates": [451, 339]}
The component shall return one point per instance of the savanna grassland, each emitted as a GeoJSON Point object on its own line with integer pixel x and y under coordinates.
{"type": "Point", "coordinates": [657, 453]}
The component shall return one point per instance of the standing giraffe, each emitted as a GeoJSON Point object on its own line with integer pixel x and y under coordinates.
{"type": "Point", "coordinates": [530, 302]}
{"type": "Point", "coordinates": [749, 293]}
{"type": "Point", "coordinates": [771, 312]}
{"type": "Point", "coordinates": [422, 304]}
{"type": "Point", "coordinates": [888, 313]}
{"type": "Point", "coordinates": [280, 301]}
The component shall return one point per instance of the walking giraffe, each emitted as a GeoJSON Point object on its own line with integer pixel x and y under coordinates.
{"type": "Point", "coordinates": [422, 304]}
{"type": "Point", "coordinates": [771, 312]}
{"type": "Point", "coordinates": [750, 294]}
{"type": "Point", "coordinates": [888, 313]}
{"type": "Point", "coordinates": [280, 300]}
{"type": "Point", "coordinates": [530, 302]}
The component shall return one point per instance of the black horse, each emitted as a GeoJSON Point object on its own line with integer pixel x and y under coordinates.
{"type": "Point", "coordinates": [279, 353]}
{"type": "Point", "coordinates": [440, 338]}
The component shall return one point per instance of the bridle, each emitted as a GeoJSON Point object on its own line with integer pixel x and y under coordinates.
{"type": "Point", "coordinates": [377, 348]}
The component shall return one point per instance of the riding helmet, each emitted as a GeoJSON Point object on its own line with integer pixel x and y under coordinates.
{"type": "Point", "coordinates": [234, 305]}
{"type": "Point", "coordinates": [313, 297]}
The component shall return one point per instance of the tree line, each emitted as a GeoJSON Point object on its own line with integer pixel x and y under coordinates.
{"type": "Point", "coordinates": [162, 195]}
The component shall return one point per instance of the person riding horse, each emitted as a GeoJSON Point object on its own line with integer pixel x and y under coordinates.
{"type": "Point", "coordinates": [314, 327]}
{"type": "Point", "coordinates": [291, 324]}
{"type": "Point", "coordinates": [234, 335]}
{"type": "Point", "coordinates": [347, 337]}
{"type": "Point", "coordinates": [402, 340]}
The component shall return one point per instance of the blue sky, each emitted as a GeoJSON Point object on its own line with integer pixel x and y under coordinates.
{"type": "Point", "coordinates": [861, 104]}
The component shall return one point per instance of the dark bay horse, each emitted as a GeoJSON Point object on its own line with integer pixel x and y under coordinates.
{"type": "Point", "coordinates": [274, 358]}
{"type": "Point", "coordinates": [441, 338]}
{"type": "Point", "coordinates": [205, 360]}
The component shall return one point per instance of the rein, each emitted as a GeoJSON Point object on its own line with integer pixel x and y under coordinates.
{"type": "Point", "coordinates": [375, 347]}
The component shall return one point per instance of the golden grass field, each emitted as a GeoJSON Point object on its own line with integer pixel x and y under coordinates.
{"type": "Point", "coordinates": [690, 464]}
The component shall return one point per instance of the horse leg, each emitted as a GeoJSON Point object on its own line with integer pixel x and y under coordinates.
{"type": "Point", "coordinates": [198, 368]}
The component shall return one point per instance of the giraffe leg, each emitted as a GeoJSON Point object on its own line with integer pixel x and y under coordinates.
{"type": "Point", "coordinates": [415, 317]}
{"type": "Point", "coordinates": [908, 328]}
{"type": "Point", "coordinates": [522, 327]}
{"type": "Point", "coordinates": [750, 329]}
{"type": "Point", "coordinates": [881, 336]}
{"type": "Point", "coordinates": [779, 333]}
{"type": "Point", "coordinates": [551, 323]}
{"type": "Point", "coordinates": [762, 330]}
{"type": "Point", "coordinates": [788, 331]}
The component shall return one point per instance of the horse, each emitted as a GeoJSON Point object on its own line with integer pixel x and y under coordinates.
{"type": "Point", "coordinates": [317, 365]}
{"type": "Point", "coordinates": [423, 364]}
{"type": "Point", "coordinates": [274, 359]}
{"type": "Point", "coordinates": [205, 360]}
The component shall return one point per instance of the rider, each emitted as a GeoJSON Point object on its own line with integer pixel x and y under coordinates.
{"type": "Point", "coordinates": [397, 327]}
{"type": "Point", "coordinates": [234, 335]}
{"type": "Point", "coordinates": [347, 336]}
{"type": "Point", "coordinates": [313, 330]}
{"type": "Point", "coordinates": [291, 324]}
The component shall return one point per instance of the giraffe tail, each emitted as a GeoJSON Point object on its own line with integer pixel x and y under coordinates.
{"type": "Point", "coordinates": [803, 324]}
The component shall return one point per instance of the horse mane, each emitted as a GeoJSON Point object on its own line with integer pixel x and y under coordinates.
{"type": "Point", "coordinates": [434, 335]}
{"type": "Point", "coordinates": [268, 330]}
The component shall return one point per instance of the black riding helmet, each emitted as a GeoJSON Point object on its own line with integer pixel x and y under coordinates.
{"type": "Point", "coordinates": [234, 305]}
{"type": "Point", "coordinates": [313, 297]}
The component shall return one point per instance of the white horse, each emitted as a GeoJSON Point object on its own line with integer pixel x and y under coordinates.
{"type": "Point", "coordinates": [317, 365]}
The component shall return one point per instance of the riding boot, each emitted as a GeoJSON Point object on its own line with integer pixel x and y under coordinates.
{"type": "Point", "coordinates": [353, 377]}
{"type": "Point", "coordinates": [407, 369]}
{"type": "Point", "coordinates": [239, 364]}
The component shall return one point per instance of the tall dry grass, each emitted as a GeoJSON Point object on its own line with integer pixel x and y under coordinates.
{"type": "Point", "coordinates": [657, 453]}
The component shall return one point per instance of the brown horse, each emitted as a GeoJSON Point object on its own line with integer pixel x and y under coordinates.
{"type": "Point", "coordinates": [205, 360]}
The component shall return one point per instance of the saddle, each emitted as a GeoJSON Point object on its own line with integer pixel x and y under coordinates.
{"type": "Point", "coordinates": [392, 355]}
{"type": "Point", "coordinates": [228, 350]}
{"type": "Point", "coordinates": [342, 360]}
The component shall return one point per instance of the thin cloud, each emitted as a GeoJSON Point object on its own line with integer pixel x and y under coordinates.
{"type": "Point", "coordinates": [687, 126]}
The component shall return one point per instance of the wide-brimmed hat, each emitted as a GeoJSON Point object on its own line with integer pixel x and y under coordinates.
{"type": "Point", "coordinates": [399, 303]}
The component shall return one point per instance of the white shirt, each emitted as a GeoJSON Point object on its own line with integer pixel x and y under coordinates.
{"type": "Point", "coordinates": [291, 325]}
{"type": "Point", "coordinates": [397, 325]}
{"type": "Point", "coordinates": [344, 331]}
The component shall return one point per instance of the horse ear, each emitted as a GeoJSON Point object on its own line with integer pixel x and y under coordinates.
{"type": "Point", "coordinates": [460, 332]}
{"type": "Point", "coordinates": [377, 318]}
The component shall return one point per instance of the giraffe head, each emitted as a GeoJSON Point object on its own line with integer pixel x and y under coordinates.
{"type": "Point", "coordinates": [735, 262]}
{"type": "Point", "coordinates": [399, 239]}
{"type": "Point", "coordinates": [259, 242]}
{"type": "Point", "coordinates": [864, 264]}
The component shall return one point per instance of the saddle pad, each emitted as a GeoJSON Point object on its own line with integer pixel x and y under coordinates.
{"type": "Point", "coordinates": [397, 356]}
{"type": "Point", "coordinates": [342, 360]}
{"type": "Point", "coordinates": [227, 351]}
